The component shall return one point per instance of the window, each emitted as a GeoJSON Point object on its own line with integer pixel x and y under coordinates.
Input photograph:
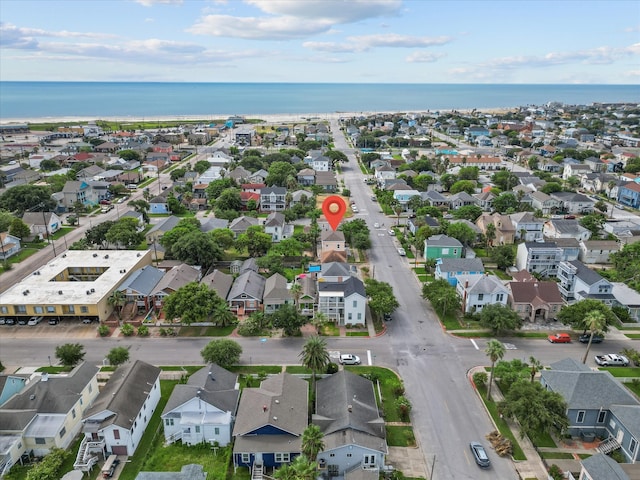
{"type": "Point", "coordinates": [281, 457]}
{"type": "Point", "coordinates": [116, 434]}
{"type": "Point", "coordinates": [40, 441]}
{"type": "Point", "coordinates": [197, 428]}
{"type": "Point", "coordinates": [445, 251]}
{"type": "Point", "coordinates": [481, 296]}
{"type": "Point", "coordinates": [350, 316]}
{"type": "Point", "coordinates": [580, 417]}
{"type": "Point", "coordinates": [601, 416]}
{"type": "Point", "coordinates": [90, 388]}
{"type": "Point", "coordinates": [84, 309]}
{"type": "Point", "coordinates": [355, 304]}
{"type": "Point", "coordinates": [4, 309]}
{"type": "Point", "coordinates": [38, 309]}
{"type": "Point", "coordinates": [73, 413]}
{"type": "Point", "coordinates": [500, 297]}
{"type": "Point", "coordinates": [349, 455]}
{"type": "Point", "coordinates": [72, 309]}
{"type": "Point", "coordinates": [20, 309]}
{"type": "Point", "coordinates": [632, 445]}
{"type": "Point", "coordinates": [51, 309]}
{"type": "Point", "coordinates": [63, 432]}
{"type": "Point", "coordinates": [169, 422]}
{"type": "Point", "coordinates": [245, 457]}
{"type": "Point", "coordinates": [216, 430]}
{"type": "Point", "coordinates": [359, 316]}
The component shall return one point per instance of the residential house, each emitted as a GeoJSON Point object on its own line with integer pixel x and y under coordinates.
{"type": "Point", "coordinates": [574, 170]}
{"type": "Point", "coordinates": [627, 298]}
{"type": "Point", "coordinates": [273, 199]}
{"type": "Point", "coordinates": [335, 272]}
{"type": "Point", "coordinates": [574, 202]}
{"type": "Point", "coordinates": [210, 224]}
{"type": "Point", "coordinates": [138, 288]}
{"type": "Point", "coordinates": [241, 224]}
{"type": "Point", "coordinates": [245, 296]}
{"type": "Point", "coordinates": [246, 197]}
{"type": "Point", "coordinates": [413, 224]}
{"type": "Point", "coordinates": [137, 216]}
{"type": "Point", "coordinates": [527, 227]}
{"type": "Point", "coordinates": [156, 232]}
{"type": "Point", "coordinates": [275, 226]}
{"type": "Point", "coordinates": [77, 191]}
{"type": "Point", "coordinates": [159, 205]}
{"type": "Point", "coordinates": [461, 199]}
{"type": "Point", "coordinates": [579, 282]}
{"type": "Point", "coordinates": [441, 246]}
{"type": "Point", "coordinates": [485, 200]}
{"type": "Point", "coordinates": [562, 228]}
{"type": "Point", "coordinates": [403, 196]}
{"type": "Point", "coordinates": [384, 173]}
{"type": "Point", "coordinates": [504, 231]}
{"type": "Point", "coordinates": [45, 414]}
{"type": "Point", "coordinates": [535, 301]}
{"type": "Point", "coordinates": [42, 224]}
{"type": "Point", "coordinates": [543, 202]}
{"type": "Point", "coordinates": [450, 268]}
{"type": "Point", "coordinates": [9, 245]}
{"type": "Point", "coordinates": [327, 181]}
{"type": "Point", "coordinates": [276, 294]}
{"type": "Point", "coordinates": [597, 405]}
{"type": "Point", "coordinates": [245, 136]}
{"type": "Point", "coordinates": [270, 422]}
{"type": "Point", "coordinates": [629, 194]}
{"type": "Point", "coordinates": [483, 162]}
{"type": "Point", "coordinates": [332, 240]}
{"type": "Point", "coordinates": [539, 257]}
{"type": "Point", "coordinates": [219, 282]}
{"type": "Point", "coordinates": [239, 266]}
{"type": "Point", "coordinates": [239, 175]}
{"type": "Point", "coordinates": [603, 467]}
{"type": "Point", "coordinates": [434, 198]}
{"type": "Point", "coordinates": [354, 434]}
{"type": "Point", "coordinates": [598, 251]}
{"type": "Point", "coordinates": [321, 164]}
{"type": "Point", "coordinates": [309, 295]}
{"type": "Point", "coordinates": [307, 177]}
{"type": "Point", "coordinates": [115, 423]}
{"type": "Point", "coordinates": [202, 410]}
{"type": "Point", "coordinates": [174, 279]}
{"type": "Point", "coordinates": [343, 302]}
{"type": "Point", "coordinates": [258, 176]}
{"type": "Point", "coordinates": [476, 291]}
{"type": "Point", "coordinates": [300, 196]}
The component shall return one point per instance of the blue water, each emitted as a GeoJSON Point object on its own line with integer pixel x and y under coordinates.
{"type": "Point", "coordinates": [209, 100]}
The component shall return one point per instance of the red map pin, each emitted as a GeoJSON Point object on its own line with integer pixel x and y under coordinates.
{"type": "Point", "coordinates": [334, 209]}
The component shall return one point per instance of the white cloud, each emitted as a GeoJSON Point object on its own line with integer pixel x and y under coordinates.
{"type": "Point", "coordinates": [255, 28]}
{"type": "Point", "coordinates": [367, 42]}
{"type": "Point", "coordinates": [26, 38]}
{"type": "Point", "coordinates": [335, 11]}
{"type": "Point", "coordinates": [424, 57]}
{"type": "Point", "coordinates": [151, 3]}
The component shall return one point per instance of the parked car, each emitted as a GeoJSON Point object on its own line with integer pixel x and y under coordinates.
{"type": "Point", "coordinates": [401, 252]}
{"type": "Point", "coordinates": [612, 360]}
{"type": "Point", "coordinates": [9, 321]}
{"type": "Point", "coordinates": [374, 199]}
{"type": "Point", "coordinates": [54, 321]}
{"type": "Point", "coordinates": [480, 454]}
{"type": "Point", "coordinates": [22, 321]}
{"type": "Point", "coordinates": [392, 232]}
{"type": "Point", "coordinates": [560, 338]}
{"type": "Point", "coordinates": [376, 225]}
{"type": "Point", "coordinates": [105, 202]}
{"type": "Point", "coordinates": [387, 317]}
{"type": "Point", "coordinates": [34, 321]}
{"type": "Point", "coordinates": [596, 338]}
{"type": "Point", "coordinates": [87, 320]}
{"type": "Point", "coordinates": [3, 320]}
{"type": "Point", "coordinates": [349, 359]}
{"type": "Point", "coordinates": [106, 208]}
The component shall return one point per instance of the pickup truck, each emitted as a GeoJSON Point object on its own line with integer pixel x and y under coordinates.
{"type": "Point", "coordinates": [612, 360]}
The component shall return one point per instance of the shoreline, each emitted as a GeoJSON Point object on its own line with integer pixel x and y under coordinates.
{"type": "Point", "coordinates": [267, 117]}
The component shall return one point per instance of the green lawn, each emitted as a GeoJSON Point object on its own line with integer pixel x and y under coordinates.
{"type": "Point", "coordinates": [633, 336]}
{"type": "Point", "coordinates": [171, 458]}
{"type": "Point", "coordinates": [622, 371]}
{"type": "Point", "coordinates": [543, 440]}
{"type": "Point", "coordinates": [357, 334]}
{"type": "Point", "coordinates": [500, 274]}
{"type": "Point", "coordinates": [298, 369]}
{"type": "Point", "coordinates": [206, 331]}
{"type": "Point", "coordinates": [400, 436]}
{"type": "Point", "coordinates": [557, 455]}
{"type": "Point", "coordinates": [329, 330]}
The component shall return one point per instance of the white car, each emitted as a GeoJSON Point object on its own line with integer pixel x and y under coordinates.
{"type": "Point", "coordinates": [401, 252]}
{"type": "Point", "coordinates": [349, 359]}
{"type": "Point", "coordinates": [392, 232]}
{"type": "Point", "coordinates": [376, 225]}
{"type": "Point", "coordinates": [34, 321]}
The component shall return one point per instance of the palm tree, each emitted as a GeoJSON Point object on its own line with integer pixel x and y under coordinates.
{"type": "Point", "coordinates": [312, 442]}
{"type": "Point", "coordinates": [296, 292]}
{"type": "Point", "coordinates": [490, 234]}
{"type": "Point", "coordinates": [535, 366]}
{"type": "Point", "coordinates": [595, 321]}
{"type": "Point", "coordinates": [222, 315]}
{"type": "Point", "coordinates": [495, 351]}
{"type": "Point", "coordinates": [117, 300]}
{"type": "Point", "coordinates": [315, 357]}
{"type": "Point", "coordinates": [304, 468]}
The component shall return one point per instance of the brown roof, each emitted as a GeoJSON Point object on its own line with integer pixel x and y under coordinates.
{"type": "Point", "coordinates": [523, 276]}
{"type": "Point", "coordinates": [535, 293]}
{"type": "Point", "coordinates": [333, 256]}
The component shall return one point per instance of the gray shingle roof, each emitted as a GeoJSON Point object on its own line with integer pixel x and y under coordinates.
{"type": "Point", "coordinates": [349, 286]}
{"type": "Point", "coordinates": [220, 282]}
{"type": "Point", "coordinates": [177, 277]}
{"type": "Point", "coordinates": [165, 225]}
{"type": "Point", "coordinates": [217, 387]}
{"type": "Point", "coordinates": [249, 283]}
{"type": "Point", "coordinates": [443, 241]}
{"type": "Point", "coordinates": [125, 393]}
{"type": "Point", "coordinates": [142, 280]}
{"type": "Point", "coordinates": [602, 467]}
{"type": "Point", "coordinates": [275, 288]}
{"type": "Point", "coordinates": [585, 274]}
{"type": "Point", "coordinates": [629, 415]}
{"type": "Point", "coordinates": [461, 265]}
{"type": "Point", "coordinates": [335, 269]}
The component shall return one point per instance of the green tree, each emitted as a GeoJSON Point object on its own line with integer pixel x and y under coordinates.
{"type": "Point", "coordinates": [490, 234]}
{"type": "Point", "coordinates": [468, 186]}
{"type": "Point", "coordinates": [279, 172]}
{"type": "Point", "coordinates": [504, 180]}
{"type": "Point", "coordinates": [495, 351]}
{"type": "Point", "coordinates": [575, 315]}
{"type": "Point", "coordinates": [215, 188]}
{"type": "Point", "coordinates": [117, 300]}
{"type": "Point", "coordinates": [505, 203]}
{"type": "Point", "coordinates": [229, 199]}
{"type": "Point", "coordinates": [23, 198]}
{"type": "Point", "coordinates": [469, 173]}
{"type": "Point", "coordinates": [223, 237]}
{"type": "Point", "coordinates": [5, 220]}
{"type": "Point", "coordinates": [19, 229]}
{"type": "Point", "coordinates": [442, 295]}
{"type": "Point", "coordinates": [538, 410]}
{"type": "Point", "coordinates": [504, 256]}
{"type": "Point", "coordinates": [381, 298]}
{"type": "Point", "coordinates": [551, 187]}
{"type": "Point", "coordinates": [129, 155]}
{"type": "Point", "coordinates": [50, 468]}
{"type": "Point", "coordinates": [125, 233]}
{"type": "Point", "coordinates": [97, 236]}
{"type": "Point", "coordinates": [462, 232]}
{"type": "Point", "coordinates": [70, 354]}
{"type": "Point", "coordinates": [468, 212]}
{"type": "Point", "coordinates": [595, 321]}
{"type": "Point", "coordinates": [288, 319]}
{"type": "Point", "coordinates": [197, 248]}
{"type": "Point", "coordinates": [194, 302]}
{"type": "Point", "coordinates": [593, 222]}
{"type": "Point", "coordinates": [508, 373]}
{"type": "Point", "coordinates": [117, 356]}
{"type": "Point", "coordinates": [222, 352]}
{"type": "Point", "coordinates": [627, 264]}
{"type": "Point", "coordinates": [535, 366]}
{"type": "Point", "coordinates": [254, 241]}
{"type": "Point", "coordinates": [499, 318]}
{"type": "Point", "coordinates": [141, 206]}
{"type": "Point", "coordinates": [315, 357]}
{"type": "Point", "coordinates": [312, 441]}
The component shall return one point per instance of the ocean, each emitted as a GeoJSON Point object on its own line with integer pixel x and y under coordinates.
{"type": "Point", "coordinates": [39, 100]}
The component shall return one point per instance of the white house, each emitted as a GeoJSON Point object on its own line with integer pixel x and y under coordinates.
{"type": "Point", "coordinates": [527, 226]}
{"type": "Point", "coordinates": [343, 302]}
{"type": "Point", "coordinates": [203, 409]}
{"type": "Point", "coordinates": [42, 224]}
{"type": "Point", "coordinates": [579, 282]}
{"type": "Point", "coordinates": [476, 291]}
{"type": "Point", "coordinates": [598, 251]}
{"type": "Point", "coordinates": [275, 226]}
{"type": "Point", "coordinates": [120, 414]}
{"type": "Point", "coordinates": [562, 228]}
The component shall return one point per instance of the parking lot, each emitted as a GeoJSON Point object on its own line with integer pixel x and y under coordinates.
{"type": "Point", "coordinates": [64, 329]}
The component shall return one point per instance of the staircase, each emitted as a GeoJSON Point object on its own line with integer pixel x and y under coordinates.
{"type": "Point", "coordinates": [85, 459]}
{"type": "Point", "coordinates": [257, 472]}
{"type": "Point", "coordinates": [608, 445]}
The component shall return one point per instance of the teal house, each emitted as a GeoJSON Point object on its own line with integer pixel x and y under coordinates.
{"type": "Point", "coordinates": [441, 246]}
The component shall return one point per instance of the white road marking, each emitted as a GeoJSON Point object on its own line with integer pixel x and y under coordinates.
{"type": "Point", "coordinates": [474, 344]}
{"type": "Point", "coordinates": [369, 357]}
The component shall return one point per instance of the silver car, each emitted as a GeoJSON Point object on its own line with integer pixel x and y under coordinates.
{"type": "Point", "coordinates": [349, 359]}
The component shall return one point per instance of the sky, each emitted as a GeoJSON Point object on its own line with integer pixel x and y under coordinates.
{"type": "Point", "coordinates": [323, 41]}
